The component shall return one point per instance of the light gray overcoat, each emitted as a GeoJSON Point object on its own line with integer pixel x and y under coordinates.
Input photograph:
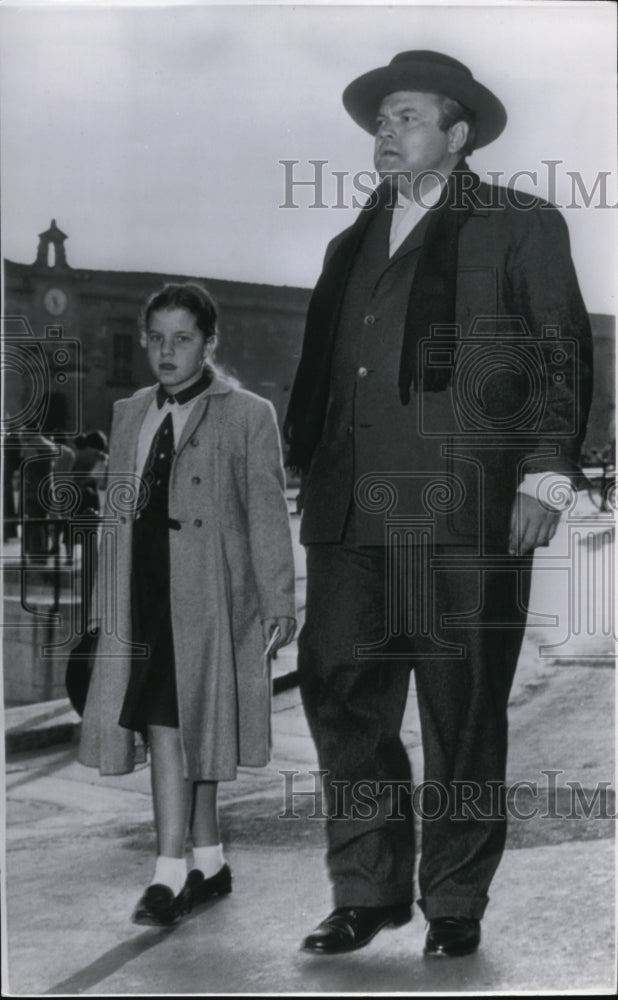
{"type": "Point", "coordinates": [230, 565]}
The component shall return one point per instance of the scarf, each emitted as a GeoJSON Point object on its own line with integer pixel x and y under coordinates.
{"type": "Point", "coordinates": [431, 304]}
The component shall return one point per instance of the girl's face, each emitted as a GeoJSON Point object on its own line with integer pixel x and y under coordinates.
{"type": "Point", "coordinates": [176, 348]}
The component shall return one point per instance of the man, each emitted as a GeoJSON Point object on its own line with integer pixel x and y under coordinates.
{"type": "Point", "coordinates": [440, 402]}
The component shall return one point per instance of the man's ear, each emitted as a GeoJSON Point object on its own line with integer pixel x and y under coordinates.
{"type": "Point", "coordinates": [143, 339]}
{"type": "Point", "coordinates": [457, 136]}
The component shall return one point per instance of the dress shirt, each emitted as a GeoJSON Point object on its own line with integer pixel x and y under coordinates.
{"type": "Point", "coordinates": [407, 214]}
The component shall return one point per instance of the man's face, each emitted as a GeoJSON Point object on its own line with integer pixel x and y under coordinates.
{"type": "Point", "coordinates": [409, 139]}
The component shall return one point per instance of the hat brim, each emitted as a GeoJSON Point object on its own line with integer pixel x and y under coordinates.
{"type": "Point", "coordinates": [362, 98]}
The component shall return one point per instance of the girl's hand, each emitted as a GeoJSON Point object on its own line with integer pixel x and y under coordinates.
{"type": "Point", "coordinates": [287, 628]}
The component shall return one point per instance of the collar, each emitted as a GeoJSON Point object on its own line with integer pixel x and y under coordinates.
{"type": "Point", "coordinates": [462, 186]}
{"type": "Point", "coordinates": [428, 198]}
{"type": "Point", "coordinates": [185, 395]}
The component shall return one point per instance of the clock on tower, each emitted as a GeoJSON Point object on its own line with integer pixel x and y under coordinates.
{"type": "Point", "coordinates": [55, 301]}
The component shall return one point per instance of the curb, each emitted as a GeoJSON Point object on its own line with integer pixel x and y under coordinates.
{"type": "Point", "coordinates": [22, 740]}
{"type": "Point", "coordinates": [43, 728]}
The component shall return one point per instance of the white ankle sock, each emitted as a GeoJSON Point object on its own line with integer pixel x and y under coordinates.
{"type": "Point", "coordinates": [171, 872]}
{"type": "Point", "coordinates": [209, 860]}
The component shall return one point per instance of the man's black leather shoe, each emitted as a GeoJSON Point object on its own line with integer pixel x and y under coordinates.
{"type": "Point", "coordinates": [158, 907]}
{"type": "Point", "coordinates": [452, 936]}
{"type": "Point", "coordinates": [198, 890]}
{"type": "Point", "coordinates": [351, 927]}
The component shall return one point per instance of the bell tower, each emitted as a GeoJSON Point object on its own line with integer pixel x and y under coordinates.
{"type": "Point", "coordinates": [51, 252]}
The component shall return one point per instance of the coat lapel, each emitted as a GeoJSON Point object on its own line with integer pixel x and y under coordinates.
{"type": "Point", "coordinates": [195, 417]}
{"type": "Point", "coordinates": [216, 387]}
{"type": "Point", "coordinates": [305, 415]}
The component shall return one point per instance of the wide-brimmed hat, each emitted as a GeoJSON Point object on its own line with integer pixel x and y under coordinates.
{"type": "Point", "coordinates": [428, 72]}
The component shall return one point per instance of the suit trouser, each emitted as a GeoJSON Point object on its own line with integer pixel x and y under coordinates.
{"type": "Point", "coordinates": [463, 672]}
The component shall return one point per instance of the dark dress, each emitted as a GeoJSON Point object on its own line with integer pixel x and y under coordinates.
{"type": "Point", "coordinates": [151, 697]}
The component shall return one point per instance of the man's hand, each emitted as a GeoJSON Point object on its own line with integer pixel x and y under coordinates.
{"type": "Point", "coordinates": [532, 525]}
{"type": "Point", "coordinates": [287, 628]}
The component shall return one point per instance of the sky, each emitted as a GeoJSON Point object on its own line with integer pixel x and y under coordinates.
{"type": "Point", "coordinates": [154, 134]}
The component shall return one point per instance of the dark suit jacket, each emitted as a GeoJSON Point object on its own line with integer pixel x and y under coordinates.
{"type": "Point", "coordinates": [518, 399]}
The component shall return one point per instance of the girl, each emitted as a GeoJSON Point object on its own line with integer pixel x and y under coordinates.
{"type": "Point", "coordinates": [197, 578]}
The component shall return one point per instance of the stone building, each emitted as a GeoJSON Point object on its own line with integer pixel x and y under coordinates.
{"type": "Point", "coordinates": [71, 338]}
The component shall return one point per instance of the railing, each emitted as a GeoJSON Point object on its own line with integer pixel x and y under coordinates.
{"type": "Point", "coordinates": [45, 570]}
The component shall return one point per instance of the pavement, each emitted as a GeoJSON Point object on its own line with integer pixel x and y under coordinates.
{"type": "Point", "coordinates": [80, 847]}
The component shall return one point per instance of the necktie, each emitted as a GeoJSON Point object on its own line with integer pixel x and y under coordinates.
{"type": "Point", "coordinates": [154, 486]}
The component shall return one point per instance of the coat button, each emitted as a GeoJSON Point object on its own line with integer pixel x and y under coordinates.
{"type": "Point", "coordinates": [196, 480]}
{"type": "Point", "coordinates": [362, 373]}
{"type": "Point", "coordinates": [369, 320]}
{"type": "Point", "coordinates": [194, 442]}
{"type": "Point", "coordinates": [197, 523]}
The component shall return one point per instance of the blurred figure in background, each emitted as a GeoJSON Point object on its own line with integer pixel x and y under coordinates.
{"type": "Point", "coordinates": [63, 464]}
{"type": "Point", "coordinates": [37, 463]}
{"type": "Point", "coordinates": [10, 465]}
